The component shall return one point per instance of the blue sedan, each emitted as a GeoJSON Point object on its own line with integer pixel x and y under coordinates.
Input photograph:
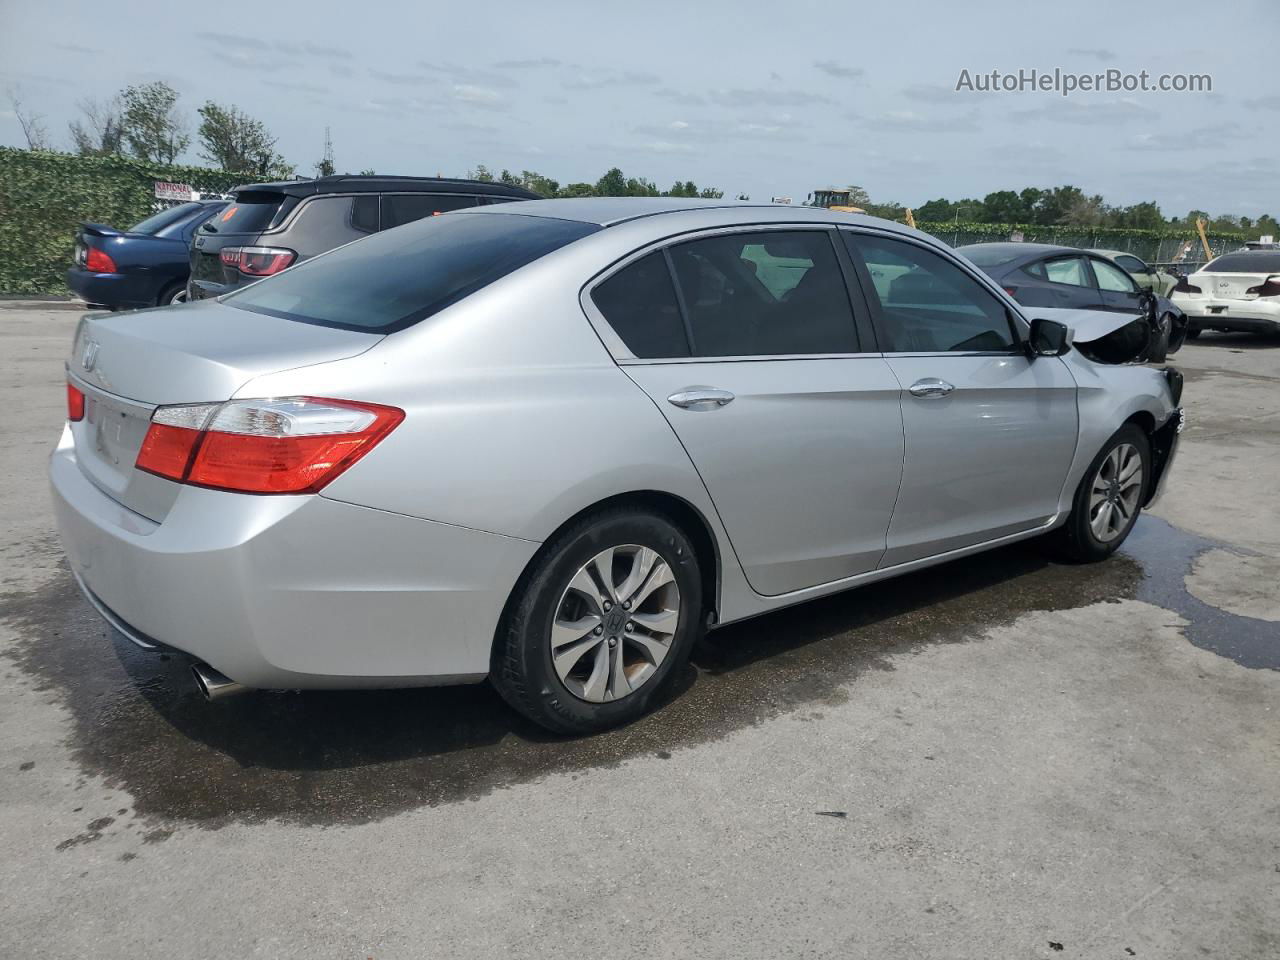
{"type": "Point", "coordinates": [144, 266]}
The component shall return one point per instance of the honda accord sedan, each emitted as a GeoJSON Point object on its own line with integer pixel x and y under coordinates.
{"type": "Point", "coordinates": [550, 443]}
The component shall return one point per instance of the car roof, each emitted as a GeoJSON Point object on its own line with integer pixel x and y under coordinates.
{"type": "Point", "coordinates": [376, 183]}
{"type": "Point", "coordinates": [1025, 251]}
{"type": "Point", "coordinates": [1112, 253]}
{"type": "Point", "coordinates": [610, 211]}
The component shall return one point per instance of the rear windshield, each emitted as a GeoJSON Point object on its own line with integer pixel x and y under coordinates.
{"type": "Point", "coordinates": [981, 255]}
{"type": "Point", "coordinates": [1259, 262]}
{"type": "Point", "coordinates": [158, 221]}
{"type": "Point", "coordinates": [394, 279]}
{"type": "Point", "coordinates": [252, 211]}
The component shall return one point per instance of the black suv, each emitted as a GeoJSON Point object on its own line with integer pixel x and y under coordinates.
{"type": "Point", "coordinates": [269, 226]}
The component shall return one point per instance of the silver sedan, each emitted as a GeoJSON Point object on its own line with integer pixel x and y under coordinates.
{"type": "Point", "coordinates": [550, 443]}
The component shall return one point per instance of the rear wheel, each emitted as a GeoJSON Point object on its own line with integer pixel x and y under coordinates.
{"type": "Point", "coordinates": [1109, 498]}
{"type": "Point", "coordinates": [174, 293]}
{"type": "Point", "coordinates": [601, 624]}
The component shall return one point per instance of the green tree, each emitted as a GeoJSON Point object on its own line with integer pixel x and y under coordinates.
{"type": "Point", "coordinates": [481, 173]}
{"type": "Point", "coordinates": [1004, 206]}
{"type": "Point", "coordinates": [151, 124]}
{"type": "Point", "coordinates": [935, 211]}
{"type": "Point", "coordinates": [544, 186]}
{"type": "Point", "coordinates": [1084, 211]}
{"type": "Point", "coordinates": [232, 140]}
{"type": "Point", "coordinates": [1139, 216]}
{"type": "Point", "coordinates": [100, 131]}
{"type": "Point", "coordinates": [886, 211]}
{"type": "Point", "coordinates": [612, 184]}
{"type": "Point", "coordinates": [1265, 226]}
{"type": "Point", "coordinates": [577, 190]}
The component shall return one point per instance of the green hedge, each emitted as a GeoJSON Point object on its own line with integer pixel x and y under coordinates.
{"type": "Point", "coordinates": [1154, 246]}
{"type": "Point", "coordinates": [44, 197]}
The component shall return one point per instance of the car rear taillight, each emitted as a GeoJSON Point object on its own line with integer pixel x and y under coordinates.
{"type": "Point", "coordinates": [75, 403]}
{"type": "Point", "coordinates": [1183, 286]}
{"type": "Point", "coordinates": [257, 261]}
{"type": "Point", "coordinates": [96, 261]}
{"type": "Point", "coordinates": [289, 445]}
{"type": "Point", "coordinates": [1011, 290]}
{"type": "Point", "coordinates": [1271, 288]}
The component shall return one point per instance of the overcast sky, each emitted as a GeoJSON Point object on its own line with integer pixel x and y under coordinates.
{"type": "Point", "coordinates": [762, 98]}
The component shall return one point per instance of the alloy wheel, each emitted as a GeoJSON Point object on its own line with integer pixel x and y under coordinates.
{"type": "Point", "coordinates": [1114, 494]}
{"type": "Point", "coordinates": [615, 623]}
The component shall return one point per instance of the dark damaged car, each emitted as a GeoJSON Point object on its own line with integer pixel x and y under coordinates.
{"type": "Point", "coordinates": [1043, 276]}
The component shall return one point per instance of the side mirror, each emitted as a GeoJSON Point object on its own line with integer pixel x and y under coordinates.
{"type": "Point", "coordinates": [1049, 338]}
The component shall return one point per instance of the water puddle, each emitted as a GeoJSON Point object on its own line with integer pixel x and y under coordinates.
{"type": "Point", "coordinates": [335, 757]}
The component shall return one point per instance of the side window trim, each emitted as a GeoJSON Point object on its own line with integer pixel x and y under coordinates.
{"type": "Point", "coordinates": [623, 355]}
{"type": "Point", "coordinates": [1012, 316]}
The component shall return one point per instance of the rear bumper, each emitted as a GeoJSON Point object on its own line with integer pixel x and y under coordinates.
{"type": "Point", "coordinates": [1164, 447]}
{"type": "Point", "coordinates": [112, 289]}
{"type": "Point", "coordinates": [207, 289]}
{"type": "Point", "coordinates": [1209, 313]}
{"type": "Point", "coordinates": [290, 592]}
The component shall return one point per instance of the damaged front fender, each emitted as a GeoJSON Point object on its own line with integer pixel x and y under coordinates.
{"type": "Point", "coordinates": [1113, 337]}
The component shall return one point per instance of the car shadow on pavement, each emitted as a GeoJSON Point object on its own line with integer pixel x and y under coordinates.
{"type": "Point", "coordinates": [349, 757]}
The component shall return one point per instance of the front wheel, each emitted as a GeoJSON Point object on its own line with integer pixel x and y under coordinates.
{"type": "Point", "coordinates": [601, 623]}
{"type": "Point", "coordinates": [1109, 498]}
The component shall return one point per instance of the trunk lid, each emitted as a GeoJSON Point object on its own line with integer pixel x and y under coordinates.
{"type": "Point", "coordinates": [128, 364]}
{"type": "Point", "coordinates": [1229, 286]}
{"type": "Point", "coordinates": [240, 224]}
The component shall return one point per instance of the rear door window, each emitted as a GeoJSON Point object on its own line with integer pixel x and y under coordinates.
{"type": "Point", "coordinates": [1069, 270]}
{"type": "Point", "coordinates": [639, 301]}
{"type": "Point", "coordinates": [401, 208]}
{"type": "Point", "coordinates": [391, 280]}
{"type": "Point", "coordinates": [772, 293]}
{"type": "Point", "coordinates": [1132, 264]}
{"type": "Point", "coordinates": [327, 222]}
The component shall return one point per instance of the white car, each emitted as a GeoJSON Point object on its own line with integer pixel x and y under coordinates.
{"type": "Point", "coordinates": [1235, 292]}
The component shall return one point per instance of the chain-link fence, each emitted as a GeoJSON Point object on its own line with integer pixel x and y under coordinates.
{"type": "Point", "coordinates": [1173, 248]}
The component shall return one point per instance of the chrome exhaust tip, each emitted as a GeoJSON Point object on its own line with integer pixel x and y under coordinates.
{"type": "Point", "coordinates": [212, 684]}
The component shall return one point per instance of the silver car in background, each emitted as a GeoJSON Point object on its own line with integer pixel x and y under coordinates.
{"type": "Point", "coordinates": [550, 443]}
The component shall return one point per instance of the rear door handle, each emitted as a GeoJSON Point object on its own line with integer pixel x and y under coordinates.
{"type": "Point", "coordinates": [700, 398]}
{"type": "Point", "coordinates": [930, 388]}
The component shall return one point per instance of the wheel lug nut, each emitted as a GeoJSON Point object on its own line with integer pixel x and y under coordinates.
{"type": "Point", "coordinates": [630, 627]}
{"type": "Point", "coordinates": [607, 606]}
{"type": "Point", "coordinates": [598, 630]}
{"type": "Point", "coordinates": [626, 605]}
{"type": "Point", "coordinates": [613, 641]}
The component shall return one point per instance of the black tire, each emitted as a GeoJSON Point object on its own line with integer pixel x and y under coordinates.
{"type": "Point", "coordinates": [1075, 540]}
{"type": "Point", "coordinates": [522, 669]}
{"type": "Point", "coordinates": [172, 294]}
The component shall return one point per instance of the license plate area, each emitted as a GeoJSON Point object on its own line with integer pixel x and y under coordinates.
{"type": "Point", "coordinates": [117, 430]}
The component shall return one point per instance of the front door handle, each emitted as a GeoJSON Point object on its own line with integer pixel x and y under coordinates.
{"type": "Point", "coordinates": [930, 388]}
{"type": "Point", "coordinates": [700, 398]}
